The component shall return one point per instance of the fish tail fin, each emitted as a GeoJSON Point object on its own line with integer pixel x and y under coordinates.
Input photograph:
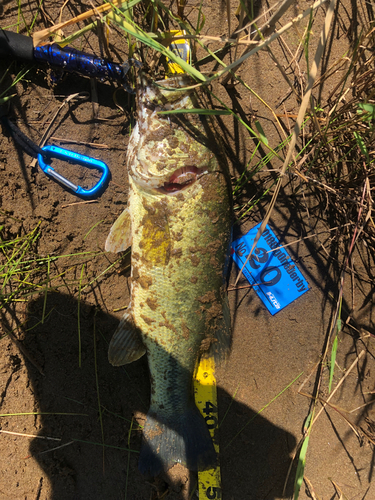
{"type": "Point", "coordinates": [184, 439]}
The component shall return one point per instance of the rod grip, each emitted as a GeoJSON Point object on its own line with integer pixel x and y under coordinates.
{"type": "Point", "coordinates": [16, 45]}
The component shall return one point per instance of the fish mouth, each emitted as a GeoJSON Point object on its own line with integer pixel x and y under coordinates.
{"type": "Point", "coordinates": [181, 179]}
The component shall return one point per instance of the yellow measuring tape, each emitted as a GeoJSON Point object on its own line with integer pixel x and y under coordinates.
{"type": "Point", "coordinates": [181, 48]}
{"type": "Point", "coordinates": [209, 481]}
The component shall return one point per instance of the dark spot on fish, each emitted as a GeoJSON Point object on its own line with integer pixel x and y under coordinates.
{"type": "Point", "coordinates": [150, 434]}
{"type": "Point", "coordinates": [176, 252]}
{"type": "Point", "coordinates": [145, 282]}
{"type": "Point", "coordinates": [168, 151]}
{"type": "Point", "coordinates": [157, 135]}
{"type": "Point", "coordinates": [135, 256]}
{"type": "Point", "coordinates": [147, 320]}
{"type": "Point", "coordinates": [185, 330]}
{"type": "Point", "coordinates": [177, 236]}
{"type": "Point", "coordinates": [135, 273]}
{"type": "Point", "coordinates": [149, 208]}
{"type": "Point", "coordinates": [194, 260]}
{"type": "Point", "coordinates": [214, 217]}
{"type": "Point", "coordinates": [152, 303]}
{"type": "Point", "coordinates": [152, 380]}
{"type": "Point", "coordinates": [194, 279]}
{"type": "Point", "coordinates": [167, 323]}
{"type": "Point", "coordinates": [173, 142]}
{"type": "Point", "coordinates": [206, 343]}
{"type": "Point", "coordinates": [214, 263]}
{"type": "Point", "coordinates": [184, 147]}
{"type": "Point", "coordinates": [218, 244]}
{"type": "Point", "coordinates": [198, 249]}
{"type": "Point", "coordinates": [207, 298]}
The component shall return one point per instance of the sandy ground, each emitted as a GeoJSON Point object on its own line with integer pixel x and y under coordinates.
{"type": "Point", "coordinates": [261, 412]}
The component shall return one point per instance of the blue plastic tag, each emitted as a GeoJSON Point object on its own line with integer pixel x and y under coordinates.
{"type": "Point", "coordinates": [273, 274]}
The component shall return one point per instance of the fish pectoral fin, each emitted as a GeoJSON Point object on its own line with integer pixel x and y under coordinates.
{"type": "Point", "coordinates": [126, 344]}
{"type": "Point", "coordinates": [221, 348]}
{"type": "Point", "coordinates": [120, 235]}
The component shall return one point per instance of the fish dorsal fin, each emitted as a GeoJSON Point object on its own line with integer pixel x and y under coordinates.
{"type": "Point", "coordinates": [126, 344]}
{"type": "Point", "coordinates": [120, 235]}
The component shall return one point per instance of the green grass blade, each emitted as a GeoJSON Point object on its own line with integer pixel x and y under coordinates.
{"type": "Point", "coordinates": [262, 409]}
{"type": "Point", "coordinates": [200, 22]}
{"type": "Point", "coordinates": [70, 39]}
{"type": "Point", "coordinates": [252, 132]}
{"type": "Point", "coordinates": [332, 364]}
{"type": "Point", "coordinates": [97, 388]}
{"type": "Point", "coordinates": [128, 464]}
{"type": "Point", "coordinates": [93, 227]}
{"type": "Point", "coordinates": [20, 14]}
{"type": "Point", "coordinates": [362, 145]}
{"type": "Point", "coordinates": [334, 348]}
{"type": "Point", "coordinates": [198, 111]}
{"type": "Point", "coordinates": [3, 100]}
{"type": "Point", "coordinates": [106, 445]}
{"type": "Point", "coordinates": [42, 413]}
{"type": "Point", "coordinates": [261, 132]}
{"type": "Point", "coordinates": [46, 291]}
{"type": "Point", "coordinates": [105, 270]}
{"type": "Point", "coordinates": [19, 77]}
{"type": "Point", "coordinates": [36, 15]}
{"type": "Point", "coordinates": [230, 405]}
{"type": "Point", "coordinates": [79, 317]}
{"type": "Point", "coordinates": [301, 467]}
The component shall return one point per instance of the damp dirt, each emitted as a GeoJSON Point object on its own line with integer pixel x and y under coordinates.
{"type": "Point", "coordinates": [70, 422]}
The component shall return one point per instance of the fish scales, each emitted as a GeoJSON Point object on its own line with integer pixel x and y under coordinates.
{"type": "Point", "coordinates": [178, 224]}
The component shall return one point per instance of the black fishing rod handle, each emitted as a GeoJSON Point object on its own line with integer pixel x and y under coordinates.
{"type": "Point", "coordinates": [16, 46]}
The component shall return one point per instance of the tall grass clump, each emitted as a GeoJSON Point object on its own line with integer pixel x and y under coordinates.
{"type": "Point", "coordinates": [340, 161]}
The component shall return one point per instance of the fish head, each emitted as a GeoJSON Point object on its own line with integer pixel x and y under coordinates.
{"type": "Point", "coordinates": [169, 152]}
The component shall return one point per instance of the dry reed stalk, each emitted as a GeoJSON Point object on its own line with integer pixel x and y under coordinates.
{"type": "Point", "coordinates": [39, 36]}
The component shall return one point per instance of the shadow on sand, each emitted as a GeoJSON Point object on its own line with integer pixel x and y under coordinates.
{"type": "Point", "coordinates": [254, 465]}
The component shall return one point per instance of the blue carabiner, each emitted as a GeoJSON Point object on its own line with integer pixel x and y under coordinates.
{"type": "Point", "coordinates": [72, 157]}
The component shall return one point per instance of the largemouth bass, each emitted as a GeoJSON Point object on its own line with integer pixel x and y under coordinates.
{"type": "Point", "coordinates": [178, 223]}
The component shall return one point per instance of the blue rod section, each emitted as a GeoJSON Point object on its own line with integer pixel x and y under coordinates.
{"type": "Point", "coordinates": [80, 62]}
